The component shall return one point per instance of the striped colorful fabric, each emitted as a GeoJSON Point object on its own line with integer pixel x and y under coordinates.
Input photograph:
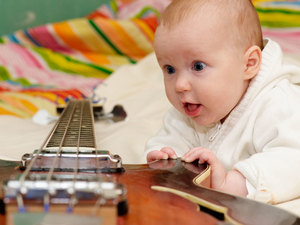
{"type": "Point", "coordinates": [43, 66]}
{"type": "Point", "coordinates": [281, 21]}
{"type": "Point", "coordinates": [279, 14]}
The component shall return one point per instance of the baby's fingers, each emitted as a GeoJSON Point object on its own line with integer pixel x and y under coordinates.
{"type": "Point", "coordinates": [155, 155]}
{"type": "Point", "coordinates": [202, 154]}
{"type": "Point", "coordinates": [170, 152]}
{"type": "Point", "coordinates": [191, 155]}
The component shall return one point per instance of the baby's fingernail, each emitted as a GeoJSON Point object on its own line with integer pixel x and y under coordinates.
{"type": "Point", "coordinates": [174, 157]}
{"type": "Point", "coordinates": [165, 156]}
{"type": "Point", "coordinates": [187, 159]}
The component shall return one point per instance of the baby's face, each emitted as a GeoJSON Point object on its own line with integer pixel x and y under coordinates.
{"type": "Point", "coordinates": [203, 75]}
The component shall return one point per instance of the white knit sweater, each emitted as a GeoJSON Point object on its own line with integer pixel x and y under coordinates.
{"type": "Point", "coordinates": [260, 137]}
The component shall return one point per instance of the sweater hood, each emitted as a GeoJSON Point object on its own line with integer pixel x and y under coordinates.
{"type": "Point", "coordinates": [271, 72]}
{"type": "Point", "coordinates": [270, 69]}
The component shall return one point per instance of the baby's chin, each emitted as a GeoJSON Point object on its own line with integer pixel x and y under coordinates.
{"type": "Point", "coordinates": [205, 121]}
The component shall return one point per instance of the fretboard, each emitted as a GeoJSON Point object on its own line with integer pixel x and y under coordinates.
{"type": "Point", "coordinates": [71, 145]}
{"type": "Point", "coordinates": [75, 128]}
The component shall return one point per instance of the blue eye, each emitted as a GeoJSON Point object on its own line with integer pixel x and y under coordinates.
{"type": "Point", "coordinates": [170, 69]}
{"type": "Point", "coordinates": [198, 66]}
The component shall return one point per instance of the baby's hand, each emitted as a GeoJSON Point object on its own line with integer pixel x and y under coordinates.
{"type": "Point", "coordinates": [164, 153]}
{"type": "Point", "coordinates": [232, 181]}
{"type": "Point", "coordinates": [218, 172]}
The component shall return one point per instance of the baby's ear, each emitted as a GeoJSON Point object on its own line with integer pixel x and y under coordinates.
{"type": "Point", "coordinates": [252, 59]}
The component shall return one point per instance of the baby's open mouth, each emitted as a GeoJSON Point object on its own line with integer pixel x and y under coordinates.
{"type": "Point", "coordinates": [191, 109]}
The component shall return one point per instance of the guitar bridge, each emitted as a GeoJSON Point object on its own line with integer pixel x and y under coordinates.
{"type": "Point", "coordinates": [60, 187]}
{"type": "Point", "coordinates": [66, 189]}
{"type": "Point", "coordinates": [72, 161]}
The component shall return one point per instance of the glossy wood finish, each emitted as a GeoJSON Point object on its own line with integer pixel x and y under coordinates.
{"type": "Point", "coordinates": [147, 206]}
{"type": "Point", "coordinates": [147, 203]}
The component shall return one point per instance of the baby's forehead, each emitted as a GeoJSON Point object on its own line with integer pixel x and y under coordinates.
{"type": "Point", "coordinates": [196, 11]}
{"type": "Point", "coordinates": [193, 22]}
{"type": "Point", "coordinates": [191, 37]}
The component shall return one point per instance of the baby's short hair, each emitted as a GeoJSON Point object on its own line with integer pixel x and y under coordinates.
{"type": "Point", "coordinates": [240, 15]}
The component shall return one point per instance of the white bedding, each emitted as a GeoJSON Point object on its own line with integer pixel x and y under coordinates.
{"type": "Point", "coordinates": [139, 88]}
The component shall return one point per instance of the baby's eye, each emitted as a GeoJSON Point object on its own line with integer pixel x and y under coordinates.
{"type": "Point", "coordinates": [198, 66]}
{"type": "Point", "coordinates": [170, 69]}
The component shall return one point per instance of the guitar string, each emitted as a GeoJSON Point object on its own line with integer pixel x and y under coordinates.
{"type": "Point", "coordinates": [98, 174]}
{"type": "Point", "coordinates": [22, 186]}
{"type": "Point", "coordinates": [37, 154]}
{"type": "Point", "coordinates": [88, 114]}
{"type": "Point", "coordinates": [72, 199]}
{"type": "Point", "coordinates": [51, 171]}
{"type": "Point", "coordinates": [78, 143]}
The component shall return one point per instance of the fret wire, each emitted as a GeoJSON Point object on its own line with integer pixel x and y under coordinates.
{"type": "Point", "coordinates": [28, 168]}
{"type": "Point", "coordinates": [51, 171]}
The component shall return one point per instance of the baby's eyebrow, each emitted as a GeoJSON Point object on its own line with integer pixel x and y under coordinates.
{"type": "Point", "coordinates": [166, 65]}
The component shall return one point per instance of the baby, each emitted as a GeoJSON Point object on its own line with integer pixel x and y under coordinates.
{"type": "Point", "coordinates": [236, 106]}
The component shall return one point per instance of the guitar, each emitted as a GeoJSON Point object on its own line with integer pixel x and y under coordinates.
{"type": "Point", "coordinates": [68, 181]}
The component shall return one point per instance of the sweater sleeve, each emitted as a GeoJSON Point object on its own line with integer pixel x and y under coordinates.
{"type": "Point", "coordinates": [177, 132]}
{"type": "Point", "coordinates": [274, 170]}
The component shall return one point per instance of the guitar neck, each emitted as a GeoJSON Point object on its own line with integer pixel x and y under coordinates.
{"type": "Point", "coordinates": [71, 145]}
{"type": "Point", "coordinates": [75, 129]}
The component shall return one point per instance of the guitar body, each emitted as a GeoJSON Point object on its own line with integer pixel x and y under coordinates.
{"type": "Point", "coordinates": [167, 192]}
{"type": "Point", "coordinates": [65, 184]}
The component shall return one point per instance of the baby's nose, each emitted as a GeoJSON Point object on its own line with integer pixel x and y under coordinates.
{"type": "Point", "coordinates": [182, 84]}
